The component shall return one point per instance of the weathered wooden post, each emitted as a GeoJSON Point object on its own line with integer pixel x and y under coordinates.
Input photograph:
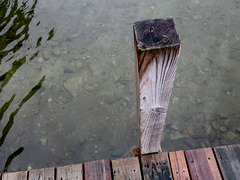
{"type": "Point", "coordinates": [157, 48]}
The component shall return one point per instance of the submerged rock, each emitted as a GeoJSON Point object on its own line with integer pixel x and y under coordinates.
{"type": "Point", "coordinates": [97, 71]}
{"type": "Point", "coordinates": [75, 83]}
{"type": "Point", "coordinates": [69, 68]}
{"type": "Point", "coordinates": [57, 160]}
{"type": "Point", "coordinates": [117, 74]}
{"type": "Point", "coordinates": [176, 135]}
{"type": "Point", "coordinates": [238, 129]}
{"type": "Point", "coordinates": [46, 54]}
{"type": "Point", "coordinates": [215, 125]}
{"type": "Point", "coordinates": [231, 135]}
{"type": "Point", "coordinates": [223, 129]}
{"type": "Point", "coordinates": [81, 141]}
{"type": "Point", "coordinates": [211, 138]}
{"type": "Point", "coordinates": [117, 152]}
{"type": "Point", "coordinates": [44, 142]}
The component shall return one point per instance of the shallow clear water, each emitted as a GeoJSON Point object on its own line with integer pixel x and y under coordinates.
{"type": "Point", "coordinates": [67, 84]}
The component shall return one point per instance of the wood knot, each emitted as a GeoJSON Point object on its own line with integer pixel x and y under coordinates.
{"type": "Point", "coordinates": [158, 110]}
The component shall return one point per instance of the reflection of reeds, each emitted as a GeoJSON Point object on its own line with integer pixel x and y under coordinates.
{"type": "Point", "coordinates": [13, 114]}
{"type": "Point", "coordinates": [15, 19]}
{"type": "Point", "coordinates": [4, 79]}
{"type": "Point", "coordinates": [11, 157]}
{"type": "Point", "coordinates": [5, 107]}
{"type": "Point", "coordinates": [18, 19]}
{"type": "Point", "coordinates": [9, 125]}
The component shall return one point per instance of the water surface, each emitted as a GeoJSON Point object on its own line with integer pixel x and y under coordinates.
{"type": "Point", "coordinates": [67, 84]}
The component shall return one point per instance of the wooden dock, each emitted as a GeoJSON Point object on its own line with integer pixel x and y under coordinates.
{"type": "Point", "coordinates": [202, 164]}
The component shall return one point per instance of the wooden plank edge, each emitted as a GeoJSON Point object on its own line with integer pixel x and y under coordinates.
{"type": "Point", "coordinates": [140, 164]}
{"type": "Point", "coordinates": [188, 170]}
{"type": "Point", "coordinates": [170, 166]}
{"type": "Point", "coordinates": [17, 172]}
{"type": "Point", "coordinates": [214, 156]}
{"type": "Point", "coordinates": [162, 161]}
{"type": "Point", "coordinates": [96, 161]}
{"type": "Point", "coordinates": [218, 163]}
{"type": "Point", "coordinates": [187, 165]}
{"type": "Point", "coordinates": [44, 170]}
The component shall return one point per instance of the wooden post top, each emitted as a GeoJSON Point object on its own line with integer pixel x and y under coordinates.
{"type": "Point", "coordinates": [156, 33]}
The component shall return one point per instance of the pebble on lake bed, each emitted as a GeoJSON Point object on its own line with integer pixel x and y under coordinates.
{"type": "Point", "coordinates": [175, 100]}
{"type": "Point", "coordinates": [44, 142]}
{"type": "Point", "coordinates": [36, 112]}
{"type": "Point", "coordinates": [116, 152]}
{"type": "Point", "coordinates": [190, 130]}
{"type": "Point", "coordinates": [46, 54]}
{"type": "Point", "coordinates": [231, 135]}
{"type": "Point", "coordinates": [82, 141]}
{"type": "Point", "coordinates": [84, 58]}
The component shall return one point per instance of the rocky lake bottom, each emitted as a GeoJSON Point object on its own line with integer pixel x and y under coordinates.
{"type": "Point", "coordinates": [86, 107]}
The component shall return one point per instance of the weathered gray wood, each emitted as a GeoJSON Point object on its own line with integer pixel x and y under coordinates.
{"type": "Point", "coordinates": [202, 164]}
{"type": "Point", "coordinates": [228, 158]}
{"type": "Point", "coordinates": [157, 48]}
{"type": "Point", "coordinates": [15, 176]}
{"type": "Point", "coordinates": [179, 165]}
{"type": "Point", "coordinates": [128, 168]}
{"type": "Point", "coordinates": [72, 172]}
{"type": "Point", "coordinates": [97, 170]}
{"type": "Point", "coordinates": [42, 174]}
{"type": "Point", "coordinates": [156, 166]}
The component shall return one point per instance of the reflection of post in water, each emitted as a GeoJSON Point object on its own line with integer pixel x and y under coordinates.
{"type": "Point", "coordinates": [15, 19]}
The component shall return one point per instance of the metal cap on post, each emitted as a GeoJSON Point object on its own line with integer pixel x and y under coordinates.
{"type": "Point", "coordinates": [157, 48]}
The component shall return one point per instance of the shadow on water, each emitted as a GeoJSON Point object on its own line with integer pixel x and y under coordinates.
{"type": "Point", "coordinates": [15, 19]}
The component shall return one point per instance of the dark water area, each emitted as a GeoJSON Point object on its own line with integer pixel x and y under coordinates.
{"type": "Point", "coordinates": [67, 79]}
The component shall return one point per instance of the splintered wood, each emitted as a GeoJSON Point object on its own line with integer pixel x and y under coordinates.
{"type": "Point", "coordinates": [157, 48]}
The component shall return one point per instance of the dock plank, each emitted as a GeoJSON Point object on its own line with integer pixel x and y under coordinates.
{"type": "Point", "coordinates": [42, 174]}
{"type": "Point", "coordinates": [202, 164]}
{"type": "Point", "coordinates": [179, 165]}
{"type": "Point", "coordinates": [73, 172]}
{"type": "Point", "coordinates": [15, 176]}
{"type": "Point", "coordinates": [228, 158]}
{"type": "Point", "coordinates": [128, 168]}
{"type": "Point", "coordinates": [156, 166]}
{"type": "Point", "coordinates": [97, 170]}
